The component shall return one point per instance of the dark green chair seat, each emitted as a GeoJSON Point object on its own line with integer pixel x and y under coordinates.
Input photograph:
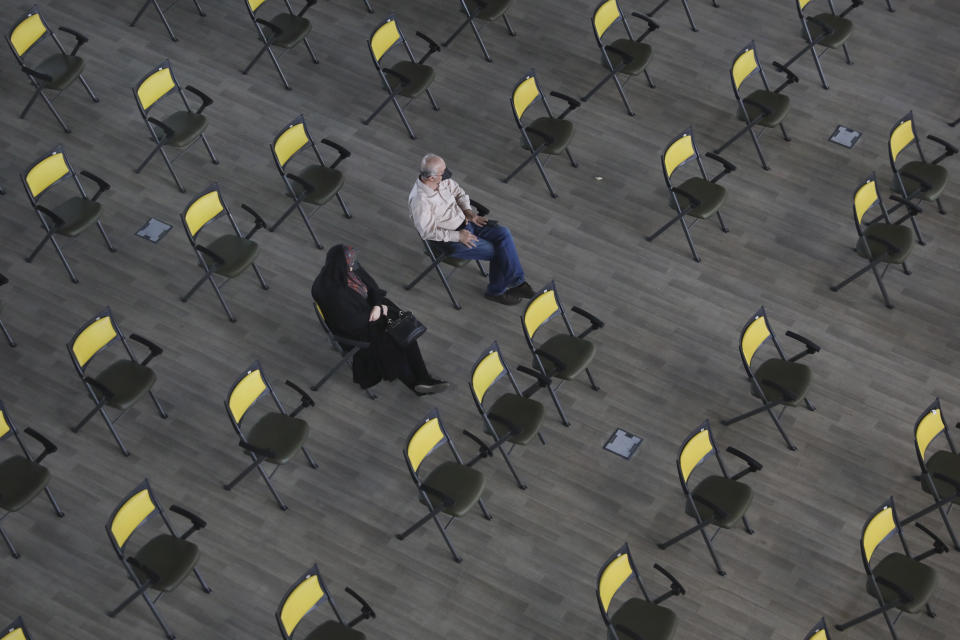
{"type": "Point", "coordinates": [326, 182]}
{"type": "Point", "coordinates": [931, 174]}
{"type": "Point", "coordinates": [777, 103]}
{"type": "Point", "coordinates": [293, 29]}
{"type": "Point", "coordinates": [280, 434]}
{"type": "Point", "coordinates": [648, 620]}
{"type": "Point", "coordinates": [776, 374]}
{"type": "Point", "coordinates": [77, 214]}
{"type": "Point", "coordinates": [731, 496]}
{"type": "Point", "coordinates": [20, 481]}
{"type": "Point", "coordinates": [63, 70]}
{"type": "Point", "coordinates": [333, 630]}
{"type": "Point", "coordinates": [489, 9]}
{"type": "Point", "coordinates": [881, 233]}
{"type": "Point", "coordinates": [945, 463]}
{"type": "Point", "coordinates": [710, 196]}
{"type": "Point", "coordinates": [574, 353]}
{"type": "Point", "coordinates": [916, 578]}
{"type": "Point", "coordinates": [637, 55]}
{"type": "Point", "coordinates": [524, 414]}
{"type": "Point", "coordinates": [170, 558]}
{"type": "Point", "coordinates": [459, 482]}
{"type": "Point", "coordinates": [559, 131]}
{"type": "Point", "coordinates": [418, 77]}
{"type": "Point", "coordinates": [237, 254]}
{"type": "Point", "coordinates": [840, 29]}
{"type": "Point", "coordinates": [127, 381]}
{"type": "Point", "coordinates": [187, 127]}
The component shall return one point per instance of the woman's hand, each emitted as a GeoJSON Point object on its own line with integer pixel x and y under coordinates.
{"type": "Point", "coordinates": [375, 313]}
{"type": "Point", "coordinates": [383, 308]}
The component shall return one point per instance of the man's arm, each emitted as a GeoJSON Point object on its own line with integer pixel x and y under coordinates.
{"type": "Point", "coordinates": [463, 201]}
{"type": "Point", "coordinates": [426, 222]}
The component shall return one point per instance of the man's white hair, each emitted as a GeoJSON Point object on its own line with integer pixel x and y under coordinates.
{"type": "Point", "coordinates": [429, 164]}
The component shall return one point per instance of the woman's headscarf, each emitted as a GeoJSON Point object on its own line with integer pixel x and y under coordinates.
{"type": "Point", "coordinates": [341, 268]}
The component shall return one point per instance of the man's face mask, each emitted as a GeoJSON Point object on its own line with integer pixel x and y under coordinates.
{"type": "Point", "coordinates": [446, 175]}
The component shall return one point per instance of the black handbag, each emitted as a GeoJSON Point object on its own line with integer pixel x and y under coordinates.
{"type": "Point", "coordinates": [405, 329]}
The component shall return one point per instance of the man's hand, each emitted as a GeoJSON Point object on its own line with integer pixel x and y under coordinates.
{"type": "Point", "coordinates": [375, 314]}
{"type": "Point", "coordinates": [475, 218]}
{"type": "Point", "coordinates": [467, 239]}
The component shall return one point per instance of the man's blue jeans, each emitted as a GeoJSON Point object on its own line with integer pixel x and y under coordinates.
{"type": "Point", "coordinates": [496, 245]}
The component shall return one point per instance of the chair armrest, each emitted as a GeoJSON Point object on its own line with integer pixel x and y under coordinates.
{"type": "Point", "coordinates": [791, 76]}
{"type": "Point", "coordinates": [481, 210]}
{"type": "Point", "coordinates": [728, 167]}
{"type": "Point", "coordinates": [651, 24]}
{"type": "Point", "coordinates": [676, 589]}
{"type": "Point", "coordinates": [484, 452]}
{"type": "Point", "coordinates": [150, 574]}
{"type": "Point", "coordinates": [105, 393]}
{"type": "Point", "coordinates": [269, 25]}
{"type": "Point", "coordinates": [196, 521]}
{"type": "Point", "coordinates": [542, 380]}
{"type": "Point", "coordinates": [627, 58]}
{"type": "Point", "coordinates": [210, 254]}
{"type": "Point", "coordinates": [752, 465]}
{"type": "Point", "coordinates": [258, 222]}
{"type": "Point", "coordinates": [102, 185]}
{"type": "Point", "coordinates": [853, 5]}
{"type": "Point", "coordinates": [911, 207]}
{"type": "Point", "coordinates": [548, 139]}
{"type": "Point", "coordinates": [309, 4]}
{"type": "Point", "coordinates": [305, 399]}
{"type": "Point", "coordinates": [48, 447]}
{"type": "Point", "coordinates": [434, 47]}
{"type": "Point", "coordinates": [57, 220]}
{"type": "Point", "coordinates": [694, 202]}
{"type": "Point", "coordinates": [81, 39]}
{"type": "Point", "coordinates": [552, 358]}
{"type": "Point", "coordinates": [938, 545]}
{"type": "Point", "coordinates": [595, 322]}
{"type": "Point", "coordinates": [572, 103]}
{"type": "Point", "coordinates": [924, 185]}
{"type": "Point", "coordinates": [511, 425]}
{"type": "Point", "coordinates": [343, 151]}
{"type": "Point", "coordinates": [366, 611]}
{"type": "Point", "coordinates": [36, 74]}
{"type": "Point", "coordinates": [948, 149]}
{"type": "Point", "coordinates": [444, 498]}
{"type": "Point", "coordinates": [259, 452]}
{"type": "Point", "coordinates": [154, 349]}
{"type": "Point", "coordinates": [766, 110]}
{"type": "Point", "coordinates": [167, 131]}
{"type": "Point", "coordinates": [717, 511]}
{"type": "Point", "coordinates": [307, 187]}
{"type": "Point", "coordinates": [812, 347]}
{"type": "Point", "coordinates": [204, 98]}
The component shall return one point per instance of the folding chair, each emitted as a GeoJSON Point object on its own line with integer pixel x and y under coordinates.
{"type": "Point", "coordinates": [346, 347]}
{"type": "Point", "coordinates": [228, 255]}
{"type": "Point", "coordinates": [317, 183]}
{"type": "Point", "coordinates": [488, 10]}
{"type": "Point", "coordinates": [718, 501]}
{"type": "Point", "coordinates": [286, 30]}
{"type": "Point", "coordinates": [900, 580]}
{"type": "Point", "coordinates": [120, 384]}
{"type": "Point", "coordinates": [22, 477]}
{"type": "Point", "coordinates": [163, 18]}
{"type": "Point", "coordinates": [544, 135]}
{"type": "Point", "coordinates": [513, 418]}
{"type": "Point", "coordinates": [697, 197]}
{"type": "Point", "coordinates": [628, 56]}
{"type": "Point", "coordinates": [178, 130]}
{"type": "Point", "coordinates": [918, 178]}
{"type": "Point", "coordinates": [642, 618]}
{"type": "Point", "coordinates": [164, 561]}
{"type": "Point", "coordinates": [563, 355]}
{"type": "Point", "coordinates": [763, 107]}
{"type": "Point", "coordinates": [778, 381]}
{"type": "Point", "coordinates": [16, 630]}
{"type": "Point", "coordinates": [55, 72]}
{"type": "Point", "coordinates": [276, 436]}
{"type": "Point", "coordinates": [71, 217]}
{"type": "Point", "coordinates": [6, 334]}
{"type": "Point", "coordinates": [452, 487]}
{"type": "Point", "coordinates": [818, 632]}
{"type": "Point", "coordinates": [880, 240]}
{"type": "Point", "coordinates": [686, 10]}
{"type": "Point", "coordinates": [438, 253]}
{"type": "Point", "coordinates": [940, 474]}
{"type": "Point", "coordinates": [830, 30]}
{"type": "Point", "coordinates": [407, 78]}
{"type": "Point", "coordinates": [306, 593]}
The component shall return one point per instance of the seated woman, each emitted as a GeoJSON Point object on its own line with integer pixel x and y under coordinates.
{"type": "Point", "coordinates": [355, 307]}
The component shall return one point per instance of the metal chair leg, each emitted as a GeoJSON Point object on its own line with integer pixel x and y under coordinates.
{"type": "Point", "coordinates": [516, 477]}
{"type": "Point", "coordinates": [13, 549]}
{"type": "Point", "coordinates": [53, 502]}
{"type": "Point", "coordinates": [7, 335]}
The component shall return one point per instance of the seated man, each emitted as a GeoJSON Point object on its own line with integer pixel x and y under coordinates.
{"type": "Point", "coordinates": [441, 212]}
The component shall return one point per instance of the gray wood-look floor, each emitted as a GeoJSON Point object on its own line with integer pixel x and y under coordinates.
{"type": "Point", "coordinates": [666, 360]}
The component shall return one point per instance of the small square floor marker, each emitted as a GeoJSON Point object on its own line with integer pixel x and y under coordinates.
{"type": "Point", "coordinates": [623, 444]}
{"type": "Point", "coordinates": [154, 230]}
{"type": "Point", "coordinates": [845, 137]}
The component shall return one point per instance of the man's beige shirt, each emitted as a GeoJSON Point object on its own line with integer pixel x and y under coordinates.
{"type": "Point", "coordinates": [437, 213]}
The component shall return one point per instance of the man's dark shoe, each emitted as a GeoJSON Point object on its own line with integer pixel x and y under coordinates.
{"type": "Point", "coordinates": [522, 290]}
{"type": "Point", "coordinates": [434, 386]}
{"type": "Point", "coordinates": [506, 298]}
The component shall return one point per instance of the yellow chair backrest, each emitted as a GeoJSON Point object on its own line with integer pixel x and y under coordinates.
{"type": "Point", "coordinates": [901, 136]}
{"type": "Point", "coordinates": [743, 66]}
{"type": "Point", "coordinates": [46, 173]}
{"type": "Point", "coordinates": [524, 95]}
{"type": "Point", "coordinates": [128, 517]}
{"type": "Point", "coordinates": [614, 575]}
{"type": "Point", "coordinates": [679, 151]}
{"type": "Point", "coordinates": [605, 15]}
{"type": "Point", "coordinates": [26, 34]}
{"type": "Point", "coordinates": [4, 425]}
{"type": "Point", "coordinates": [383, 38]}
{"type": "Point", "coordinates": [485, 373]}
{"type": "Point", "coordinates": [864, 198]}
{"type": "Point", "coordinates": [819, 634]}
{"type": "Point", "coordinates": [254, 4]}
{"type": "Point", "coordinates": [14, 633]}
{"type": "Point", "coordinates": [155, 86]}
{"type": "Point", "coordinates": [424, 440]}
{"type": "Point", "coordinates": [540, 309]}
{"type": "Point", "coordinates": [928, 427]}
{"type": "Point", "coordinates": [753, 336]}
{"type": "Point", "coordinates": [694, 451]}
{"type": "Point", "coordinates": [290, 141]}
{"type": "Point", "coordinates": [250, 387]}
{"type": "Point", "coordinates": [202, 210]}
{"type": "Point", "coordinates": [802, 4]}
{"type": "Point", "coordinates": [300, 601]}
{"type": "Point", "coordinates": [92, 339]}
{"type": "Point", "coordinates": [879, 527]}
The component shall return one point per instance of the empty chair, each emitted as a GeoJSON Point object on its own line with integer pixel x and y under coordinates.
{"type": "Point", "coordinates": [940, 471]}
{"type": "Point", "coordinates": [827, 29]}
{"type": "Point", "coordinates": [686, 10]}
{"type": "Point", "coordinates": [285, 30]}
{"type": "Point", "coordinates": [6, 334]}
{"type": "Point", "coordinates": [163, 18]}
{"type": "Point", "coordinates": [487, 10]}
{"type": "Point", "coordinates": [818, 632]}
{"type": "Point", "coordinates": [303, 597]}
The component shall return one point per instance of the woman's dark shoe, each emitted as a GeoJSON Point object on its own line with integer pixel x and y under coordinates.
{"type": "Point", "coordinates": [433, 386]}
{"type": "Point", "coordinates": [522, 290]}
